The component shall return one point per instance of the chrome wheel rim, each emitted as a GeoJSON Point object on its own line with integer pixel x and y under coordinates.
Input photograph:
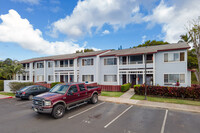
{"type": "Point", "coordinates": [59, 111]}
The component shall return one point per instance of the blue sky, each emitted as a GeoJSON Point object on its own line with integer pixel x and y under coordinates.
{"type": "Point", "coordinates": [35, 28]}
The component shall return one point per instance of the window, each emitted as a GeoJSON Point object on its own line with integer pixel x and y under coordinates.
{"type": "Point", "coordinates": [28, 66]}
{"type": "Point", "coordinates": [87, 62]}
{"type": "Point", "coordinates": [110, 61]}
{"type": "Point", "coordinates": [56, 63]}
{"type": "Point", "coordinates": [40, 65]}
{"type": "Point", "coordinates": [33, 65]}
{"type": "Point", "coordinates": [40, 78]}
{"type": "Point", "coordinates": [41, 88]}
{"type": "Point", "coordinates": [182, 56]}
{"type": "Point", "coordinates": [110, 78]}
{"type": "Point", "coordinates": [173, 78]}
{"type": "Point", "coordinates": [149, 58]}
{"type": "Point", "coordinates": [66, 63]}
{"type": "Point", "coordinates": [174, 57]}
{"type": "Point", "coordinates": [50, 64]}
{"type": "Point", "coordinates": [73, 89]}
{"type": "Point", "coordinates": [71, 63]}
{"type": "Point", "coordinates": [88, 78]}
{"type": "Point", "coordinates": [81, 87]}
{"type": "Point", "coordinates": [61, 63]}
{"type": "Point", "coordinates": [50, 77]}
{"type": "Point", "coordinates": [136, 59]}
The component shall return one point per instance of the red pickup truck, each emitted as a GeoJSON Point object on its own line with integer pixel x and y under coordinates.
{"type": "Point", "coordinates": [65, 96]}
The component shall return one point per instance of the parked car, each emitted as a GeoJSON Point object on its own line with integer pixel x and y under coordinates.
{"type": "Point", "coordinates": [29, 92]}
{"type": "Point", "coordinates": [65, 96]}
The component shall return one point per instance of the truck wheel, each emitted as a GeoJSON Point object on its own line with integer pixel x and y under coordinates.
{"type": "Point", "coordinates": [58, 111]}
{"type": "Point", "coordinates": [94, 98]}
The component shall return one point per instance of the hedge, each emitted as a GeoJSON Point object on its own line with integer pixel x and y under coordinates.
{"type": "Point", "coordinates": [55, 83]}
{"type": "Point", "coordinates": [14, 86]}
{"type": "Point", "coordinates": [178, 92]}
{"type": "Point", "coordinates": [1, 85]}
{"type": "Point", "coordinates": [125, 87]}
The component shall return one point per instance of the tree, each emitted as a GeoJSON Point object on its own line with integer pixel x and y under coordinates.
{"type": "Point", "coordinates": [9, 68]}
{"type": "Point", "coordinates": [194, 37]}
{"type": "Point", "coordinates": [84, 51]}
{"type": "Point", "coordinates": [152, 43]}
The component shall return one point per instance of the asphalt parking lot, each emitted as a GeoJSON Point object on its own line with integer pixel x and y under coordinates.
{"type": "Point", "coordinates": [16, 116]}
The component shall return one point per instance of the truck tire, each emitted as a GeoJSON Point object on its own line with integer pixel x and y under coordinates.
{"type": "Point", "coordinates": [94, 99]}
{"type": "Point", "coordinates": [58, 111]}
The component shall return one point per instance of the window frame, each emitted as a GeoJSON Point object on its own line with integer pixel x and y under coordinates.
{"type": "Point", "coordinates": [91, 62]}
{"type": "Point", "coordinates": [174, 61]}
{"type": "Point", "coordinates": [114, 59]}
{"type": "Point", "coordinates": [114, 79]}
{"type": "Point", "coordinates": [179, 78]}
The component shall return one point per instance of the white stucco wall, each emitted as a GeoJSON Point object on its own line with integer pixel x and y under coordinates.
{"type": "Point", "coordinates": [6, 84]}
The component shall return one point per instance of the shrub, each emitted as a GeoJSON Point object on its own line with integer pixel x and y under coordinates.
{"type": "Point", "coordinates": [18, 85]}
{"type": "Point", "coordinates": [136, 86]}
{"type": "Point", "coordinates": [1, 85]}
{"type": "Point", "coordinates": [178, 92]}
{"type": "Point", "coordinates": [55, 83]}
{"type": "Point", "coordinates": [125, 87]}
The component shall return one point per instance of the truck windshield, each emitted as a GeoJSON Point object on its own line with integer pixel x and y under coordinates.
{"type": "Point", "coordinates": [61, 89]}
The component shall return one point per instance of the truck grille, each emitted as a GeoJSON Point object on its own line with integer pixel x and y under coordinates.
{"type": "Point", "coordinates": [38, 102]}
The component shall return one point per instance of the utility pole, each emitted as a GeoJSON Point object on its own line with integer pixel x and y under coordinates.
{"type": "Point", "coordinates": [145, 75]}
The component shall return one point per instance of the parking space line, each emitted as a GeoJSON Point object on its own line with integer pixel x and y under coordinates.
{"type": "Point", "coordinates": [164, 121]}
{"type": "Point", "coordinates": [85, 110]}
{"type": "Point", "coordinates": [118, 116]}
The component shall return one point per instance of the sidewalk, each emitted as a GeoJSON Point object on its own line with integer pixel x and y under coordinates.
{"type": "Point", "coordinates": [5, 97]}
{"type": "Point", "coordinates": [125, 99]}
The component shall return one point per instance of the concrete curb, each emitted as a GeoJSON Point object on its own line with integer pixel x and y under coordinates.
{"type": "Point", "coordinates": [135, 102]}
{"type": "Point", "coordinates": [6, 97]}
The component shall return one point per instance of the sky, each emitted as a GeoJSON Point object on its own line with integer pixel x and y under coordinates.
{"type": "Point", "coordinates": [36, 28]}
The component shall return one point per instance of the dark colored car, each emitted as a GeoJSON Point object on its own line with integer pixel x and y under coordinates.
{"type": "Point", "coordinates": [29, 92]}
{"type": "Point", "coordinates": [65, 96]}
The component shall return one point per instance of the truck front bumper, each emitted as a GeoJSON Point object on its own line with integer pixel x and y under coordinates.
{"type": "Point", "coordinates": [41, 109]}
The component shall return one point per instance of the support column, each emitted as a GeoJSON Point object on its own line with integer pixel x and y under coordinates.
{"type": "Point", "coordinates": [45, 71]}
{"type": "Point", "coordinates": [154, 69]}
{"type": "Point", "coordinates": [118, 78]}
{"type": "Point", "coordinates": [31, 72]}
{"type": "Point", "coordinates": [75, 70]}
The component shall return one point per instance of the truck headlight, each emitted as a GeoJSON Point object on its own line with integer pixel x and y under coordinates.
{"type": "Point", "coordinates": [47, 103]}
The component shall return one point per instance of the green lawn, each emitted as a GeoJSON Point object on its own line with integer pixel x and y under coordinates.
{"type": "Point", "coordinates": [7, 94]}
{"type": "Point", "coordinates": [167, 100]}
{"type": "Point", "coordinates": [111, 94]}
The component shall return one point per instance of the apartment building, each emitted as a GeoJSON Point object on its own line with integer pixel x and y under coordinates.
{"type": "Point", "coordinates": [165, 65]}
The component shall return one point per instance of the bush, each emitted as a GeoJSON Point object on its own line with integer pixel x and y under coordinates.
{"type": "Point", "coordinates": [1, 85]}
{"type": "Point", "coordinates": [55, 83]}
{"type": "Point", "coordinates": [18, 85]}
{"type": "Point", "coordinates": [125, 87]}
{"type": "Point", "coordinates": [178, 92]}
{"type": "Point", "coordinates": [136, 86]}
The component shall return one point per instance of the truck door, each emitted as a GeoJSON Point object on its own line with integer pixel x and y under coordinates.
{"type": "Point", "coordinates": [83, 91]}
{"type": "Point", "coordinates": [72, 94]}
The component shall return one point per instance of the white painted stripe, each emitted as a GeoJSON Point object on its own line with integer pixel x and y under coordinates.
{"type": "Point", "coordinates": [85, 110]}
{"type": "Point", "coordinates": [164, 121]}
{"type": "Point", "coordinates": [118, 116]}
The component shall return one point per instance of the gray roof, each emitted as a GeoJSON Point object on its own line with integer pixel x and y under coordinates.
{"type": "Point", "coordinates": [130, 51]}
{"type": "Point", "coordinates": [148, 49]}
{"type": "Point", "coordinates": [64, 56]}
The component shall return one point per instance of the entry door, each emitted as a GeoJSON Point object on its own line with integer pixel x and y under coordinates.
{"type": "Point", "coordinates": [133, 80]}
{"type": "Point", "coordinates": [61, 78]}
{"type": "Point", "coordinates": [123, 79]}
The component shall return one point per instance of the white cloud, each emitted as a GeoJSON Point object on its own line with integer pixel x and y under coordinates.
{"type": "Point", "coordinates": [174, 16]}
{"type": "Point", "coordinates": [105, 32]}
{"type": "Point", "coordinates": [144, 38]}
{"type": "Point", "coordinates": [33, 2]}
{"type": "Point", "coordinates": [94, 14]}
{"type": "Point", "coordinates": [17, 30]}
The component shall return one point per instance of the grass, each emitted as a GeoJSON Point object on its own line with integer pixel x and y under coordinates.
{"type": "Point", "coordinates": [7, 94]}
{"type": "Point", "coordinates": [167, 100]}
{"type": "Point", "coordinates": [111, 94]}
